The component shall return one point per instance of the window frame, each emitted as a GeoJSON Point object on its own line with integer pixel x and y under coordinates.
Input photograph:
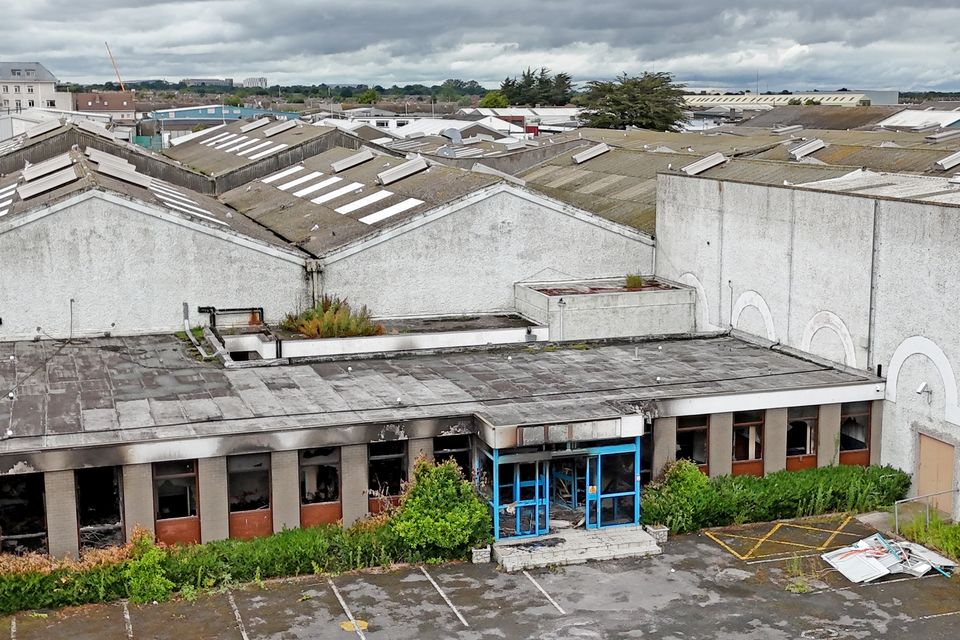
{"type": "Point", "coordinates": [751, 424]}
{"type": "Point", "coordinates": [705, 427]}
{"type": "Point", "coordinates": [371, 458]}
{"type": "Point", "coordinates": [301, 465]}
{"type": "Point", "coordinates": [196, 488]}
{"type": "Point", "coordinates": [869, 418]}
{"type": "Point", "coordinates": [812, 439]}
{"type": "Point", "coordinates": [268, 471]}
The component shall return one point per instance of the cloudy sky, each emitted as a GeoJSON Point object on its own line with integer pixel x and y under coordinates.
{"type": "Point", "coordinates": [796, 45]}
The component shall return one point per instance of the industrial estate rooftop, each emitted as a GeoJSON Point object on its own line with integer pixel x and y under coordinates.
{"type": "Point", "coordinates": [124, 390]}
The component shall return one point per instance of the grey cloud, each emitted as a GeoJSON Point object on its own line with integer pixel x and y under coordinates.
{"type": "Point", "coordinates": [818, 43]}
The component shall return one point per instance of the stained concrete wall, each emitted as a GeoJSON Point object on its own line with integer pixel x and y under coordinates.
{"type": "Point", "coordinates": [354, 474]}
{"type": "Point", "coordinates": [860, 280]}
{"type": "Point", "coordinates": [214, 503]}
{"type": "Point", "coordinates": [285, 489]}
{"type": "Point", "coordinates": [63, 537]}
{"type": "Point", "coordinates": [129, 272]}
{"type": "Point", "coordinates": [138, 498]}
{"type": "Point", "coordinates": [468, 261]}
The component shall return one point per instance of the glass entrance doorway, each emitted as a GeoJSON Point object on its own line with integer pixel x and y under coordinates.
{"type": "Point", "coordinates": [590, 487]}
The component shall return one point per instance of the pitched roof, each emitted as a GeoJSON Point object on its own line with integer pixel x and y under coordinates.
{"type": "Point", "coordinates": [317, 207]}
{"type": "Point", "coordinates": [104, 101]}
{"type": "Point", "coordinates": [41, 74]}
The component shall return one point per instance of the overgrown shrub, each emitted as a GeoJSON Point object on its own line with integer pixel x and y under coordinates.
{"type": "Point", "coordinates": [939, 535]}
{"type": "Point", "coordinates": [440, 515]}
{"type": "Point", "coordinates": [144, 572]}
{"type": "Point", "coordinates": [686, 500]}
{"type": "Point", "coordinates": [332, 317]}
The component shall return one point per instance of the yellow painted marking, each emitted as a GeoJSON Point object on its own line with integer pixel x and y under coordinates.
{"type": "Point", "coordinates": [761, 540]}
{"type": "Point", "coordinates": [772, 531]}
{"type": "Point", "coordinates": [834, 534]}
{"type": "Point", "coordinates": [358, 625]}
{"type": "Point", "coordinates": [723, 544]}
{"type": "Point", "coordinates": [800, 526]}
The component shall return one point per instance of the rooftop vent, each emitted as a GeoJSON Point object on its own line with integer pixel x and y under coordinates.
{"type": "Point", "coordinates": [362, 156]}
{"type": "Point", "coordinates": [806, 148]}
{"type": "Point", "coordinates": [414, 134]}
{"type": "Point", "coordinates": [955, 179]}
{"type": "Point", "coordinates": [47, 183]}
{"type": "Point", "coordinates": [949, 162]}
{"type": "Point", "coordinates": [42, 128]}
{"type": "Point", "coordinates": [779, 131]}
{"type": "Point", "coordinates": [41, 169]}
{"type": "Point", "coordinates": [102, 158]}
{"type": "Point", "coordinates": [402, 171]}
{"type": "Point", "coordinates": [279, 128]}
{"type": "Point", "coordinates": [126, 174]}
{"type": "Point", "coordinates": [591, 153]}
{"type": "Point", "coordinates": [256, 124]}
{"type": "Point", "coordinates": [949, 134]}
{"type": "Point", "coordinates": [926, 126]}
{"type": "Point", "coordinates": [701, 165]}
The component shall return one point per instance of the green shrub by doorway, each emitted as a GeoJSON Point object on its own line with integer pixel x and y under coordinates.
{"type": "Point", "coordinates": [439, 518]}
{"type": "Point", "coordinates": [686, 500]}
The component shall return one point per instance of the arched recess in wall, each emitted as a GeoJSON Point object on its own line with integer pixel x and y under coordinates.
{"type": "Point", "coordinates": [753, 299]}
{"type": "Point", "coordinates": [703, 319]}
{"type": "Point", "coordinates": [925, 347]}
{"type": "Point", "coordinates": [832, 322]}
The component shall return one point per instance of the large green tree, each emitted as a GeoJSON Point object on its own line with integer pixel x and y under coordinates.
{"type": "Point", "coordinates": [494, 100]}
{"type": "Point", "coordinates": [650, 101]}
{"type": "Point", "coordinates": [538, 86]}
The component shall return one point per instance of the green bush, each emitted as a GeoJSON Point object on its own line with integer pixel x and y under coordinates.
{"type": "Point", "coordinates": [686, 500]}
{"type": "Point", "coordinates": [144, 573]}
{"type": "Point", "coordinates": [441, 516]}
{"type": "Point", "coordinates": [332, 317]}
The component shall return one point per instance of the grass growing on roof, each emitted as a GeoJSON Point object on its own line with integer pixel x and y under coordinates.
{"type": "Point", "coordinates": [332, 317]}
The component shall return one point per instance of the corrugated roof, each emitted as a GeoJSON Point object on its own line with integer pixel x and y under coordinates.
{"type": "Point", "coordinates": [891, 158]}
{"type": "Point", "coordinates": [319, 209]}
{"type": "Point", "coordinates": [823, 117]}
{"type": "Point", "coordinates": [894, 185]}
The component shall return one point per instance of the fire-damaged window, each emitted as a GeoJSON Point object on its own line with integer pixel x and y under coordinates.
{"type": "Point", "coordinates": [388, 467]}
{"type": "Point", "coordinates": [320, 475]}
{"type": "Point", "coordinates": [802, 430]}
{"type": "Point", "coordinates": [248, 480]}
{"type": "Point", "coordinates": [854, 426]}
{"type": "Point", "coordinates": [456, 447]}
{"type": "Point", "coordinates": [99, 507]}
{"type": "Point", "coordinates": [23, 516]}
{"type": "Point", "coordinates": [748, 435]}
{"type": "Point", "coordinates": [692, 438]}
{"type": "Point", "coordinates": [175, 489]}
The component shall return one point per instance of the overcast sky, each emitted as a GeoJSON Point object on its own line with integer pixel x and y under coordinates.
{"type": "Point", "coordinates": [823, 44]}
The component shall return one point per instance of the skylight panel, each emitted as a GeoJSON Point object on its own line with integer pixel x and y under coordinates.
{"type": "Point", "coordinates": [391, 211]}
{"type": "Point", "coordinates": [47, 183]}
{"type": "Point", "coordinates": [46, 167]}
{"type": "Point", "coordinates": [336, 193]}
{"type": "Point", "coordinates": [356, 159]}
{"type": "Point", "coordinates": [256, 124]}
{"type": "Point", "coordinates": [279, 128]}
{"type": "Point", "coordinates": [42, 128]}
{"type": "Point", "coordinates": [313, 175]}
{"type": "Point", "coordinates": [267, 152]}
{"type": "Point", "coordinates": [289, 171]}
{"type": "Point", "coordinates": [323, 184]}
{"type": "Point", "coordinates": [402, 171]}
{"type": "Point", "coordinates": [366, 201]}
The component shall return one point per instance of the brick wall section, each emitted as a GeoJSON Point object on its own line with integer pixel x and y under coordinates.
{"type": "Point", "coordinates": [415, 448]}
{"type": "Point", "coordinates": [721, 444]}
{"type": "Point", "coordinates": [285, 489]}
{"type": "Point", "coordinates": [138, 498]}
{"type": "Point", "coordinates": [664, 444]}
{"type": "Point", "coordinates": [828, 435]}
{"type": "Point", "coordinates": [61, 498]}
{"type": "Point", "coordinates": [354, 474]}
{"type": "Point", "coordinates": [212, 481]}
{"type": "Point", "coordinates": [775, 440]}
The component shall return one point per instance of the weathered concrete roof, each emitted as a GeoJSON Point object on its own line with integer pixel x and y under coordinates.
{"type": "Point", "coordinates": [888, 158]}
{"type": "Point", "coordinates": [934, 190]}
{"type": "Point", "coordinates": [229, 148]}
{"type": "Point", "coordinates": [621, 185]}
{"type": "Point", "coordinates": [823, 116]}
{"type": "Point", "coordinates": [82, 173]}
{"type": "Point", "coordinates": [318, 227]}
{"type": "Point", "coordinates": [125, 390]}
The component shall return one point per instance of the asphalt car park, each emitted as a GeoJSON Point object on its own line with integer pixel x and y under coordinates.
{"type": "Point", "coordinates": [695, 589]}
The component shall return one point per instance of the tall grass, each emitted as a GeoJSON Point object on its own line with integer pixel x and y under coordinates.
{"type": "Point", "coordinates": [939, 535]}
{"type": "Point", "coordinates": [332, 317]}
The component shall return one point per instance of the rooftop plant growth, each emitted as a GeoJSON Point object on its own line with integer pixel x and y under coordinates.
{"type": "Point", "coordinates": [439, 518]}
{"type": "Point", "coordinates": [635, 281]}
{"type": "Point", "coordinates": [332, 317]}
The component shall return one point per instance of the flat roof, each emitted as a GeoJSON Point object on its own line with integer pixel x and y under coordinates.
{"type": "Point", "coordinates": [118, 391]}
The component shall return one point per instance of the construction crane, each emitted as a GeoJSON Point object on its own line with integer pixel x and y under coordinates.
{"type": "Point", "coordinates": [115, 67]}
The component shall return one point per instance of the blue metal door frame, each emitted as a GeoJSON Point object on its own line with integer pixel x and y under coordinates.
{"type": "Point", "coordinates": [535, 510]}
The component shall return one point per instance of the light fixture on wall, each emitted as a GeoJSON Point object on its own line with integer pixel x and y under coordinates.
{"type": "Point", "coordinates": [924, 388]}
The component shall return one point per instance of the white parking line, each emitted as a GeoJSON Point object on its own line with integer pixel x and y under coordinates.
{"type": "Point", "coordinates": [546, 595]}
{"type": "Point", "coordinates": [236, 614]}
{"type": "Point", "coordinates": [126, 620]}
{"type": "Point", "coordinates": [875, 584]}
{"type": "Point", "coordinates": [346, 609]}
{"type": "Point", "coordinates": [13, 629]}
{"type": "Point", "coordinates": [443, 595]}
{"type": "Point", "coordinates": [937, 615]}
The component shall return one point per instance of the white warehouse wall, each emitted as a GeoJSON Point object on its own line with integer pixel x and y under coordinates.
{"type": "Point", "coordinates": [859, 280]}
{"type": "Point", "coordinates": [129, 271]}
{"type": "Point", "coordinates": [467, 261]}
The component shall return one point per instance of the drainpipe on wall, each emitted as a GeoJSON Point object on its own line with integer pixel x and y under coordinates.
{"type": "Point", "coordinates": [562, 304]}
{"type": "Point", "coordinates": [315, 273]}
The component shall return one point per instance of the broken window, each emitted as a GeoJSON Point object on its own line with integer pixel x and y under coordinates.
{"type": "Point", "coordinates": [320, 475]}
{"type": "Point", "coordinates": [456, 447]}
{"type": "Point", "coordinates": [248, 482]}
{"type": "Point", "coordinates": [802, 430]}
{"type": "Point", "coordinates": [388, 467]}
{"type": "Point", "coordinates": [99, 507]}
{"type": "Point", "coordinates": [23, 515]}
{"type": "Point", "coordinates": [854, 426]}
{"type": "Point", "coordinates": [748, 435]}
{"type": "Point", "coordinates": [692, 438]}
{"type": "Point", "coordinates": [175, 489]}
{"type": "Point", "coordinates": [646, 456]}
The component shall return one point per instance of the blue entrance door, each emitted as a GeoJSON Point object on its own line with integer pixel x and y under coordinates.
{"type": "Point", "coordinates": [613, 486]}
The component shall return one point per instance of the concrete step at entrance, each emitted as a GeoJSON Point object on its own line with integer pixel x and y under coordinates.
{"type": "Point", "coordinates": [574, 546]}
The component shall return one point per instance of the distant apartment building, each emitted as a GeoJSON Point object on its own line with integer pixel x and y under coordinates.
{"type": "Point", "coordinates": [207, 82]}
{"type": "Point", "coordinates": [255, 83]}
{"type": "Point", "coordinates": [29, 84]}
{"type": "Point", "coordinates": [118, 104]}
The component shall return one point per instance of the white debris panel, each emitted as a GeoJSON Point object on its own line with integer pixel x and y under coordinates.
{"type": "Point", "coordinates": [875, 557]}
